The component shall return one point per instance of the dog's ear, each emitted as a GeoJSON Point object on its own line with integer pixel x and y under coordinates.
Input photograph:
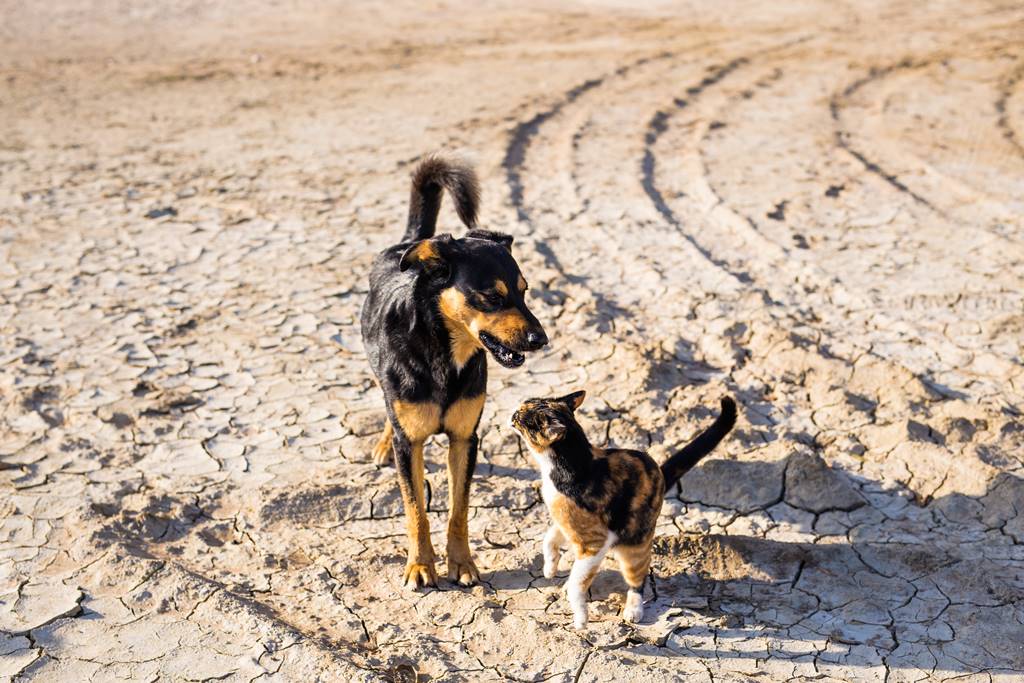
{"type": "Point", "coordinates": [499, 237]}
{"type": "Point", "coordinates": [429, 254]}
{"type": "Point", "coordinates": [574, 400]}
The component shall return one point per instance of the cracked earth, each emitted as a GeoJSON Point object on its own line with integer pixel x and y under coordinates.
{"type": "Point", "coordinates": [814, 207]}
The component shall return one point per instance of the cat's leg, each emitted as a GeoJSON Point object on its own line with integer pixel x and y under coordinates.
{"type": "Point", "coordinates": [553, 541]}
{"type": "Point", "coordinates": [634, 562]}
{"type": "Point", "coordinates": [588, 561]}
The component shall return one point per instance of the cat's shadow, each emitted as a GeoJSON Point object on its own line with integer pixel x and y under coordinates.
{"type": "Point", "coordinates": [899, 575]}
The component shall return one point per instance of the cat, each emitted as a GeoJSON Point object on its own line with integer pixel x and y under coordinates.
{"type": "Point", "coordinates": [602, 500]}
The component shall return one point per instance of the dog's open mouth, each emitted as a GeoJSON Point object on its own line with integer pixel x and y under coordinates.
{"type": "Point", "coordinates": [502, 353]}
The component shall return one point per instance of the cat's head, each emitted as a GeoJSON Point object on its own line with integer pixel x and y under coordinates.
{"type": "Point", "coordinates": [544, 421]}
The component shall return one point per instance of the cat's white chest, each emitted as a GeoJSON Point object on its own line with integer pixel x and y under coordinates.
{"type": "Point", "coordinates": [547, 488]}
{"type": "Point", "coordinates": [548, 492]}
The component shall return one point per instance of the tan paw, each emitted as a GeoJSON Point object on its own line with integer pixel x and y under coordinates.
{"type": "Point", "coordinates": [382, 450]}
{"type": "Point", "coordinates": [463, 571]}
{"type": "Point", "coordinates": [419, 576]}
{"type": "Point", "coordinates": [382, 453]}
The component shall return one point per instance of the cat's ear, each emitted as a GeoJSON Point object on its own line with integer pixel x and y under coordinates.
{"type": "Point", "coordinates": [574, 400]}
{"type": "Point", "coordinates": [554, 431]}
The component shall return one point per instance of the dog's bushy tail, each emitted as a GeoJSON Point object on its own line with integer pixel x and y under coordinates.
{"type": "Point", "coordinates": [432, 175]}
{"type": "Point", "coordinates": [681, 462]}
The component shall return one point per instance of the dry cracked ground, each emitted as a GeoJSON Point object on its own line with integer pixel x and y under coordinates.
{"type": "Point", "coordinates": [812, 206]}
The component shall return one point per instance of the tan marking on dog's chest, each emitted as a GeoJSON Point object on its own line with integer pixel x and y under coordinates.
{"type": "Point", "coordinates": [461, 417]}
{"type": "Point", "coordinates": [417, 420]}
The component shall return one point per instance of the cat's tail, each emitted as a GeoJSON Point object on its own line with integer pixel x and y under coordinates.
{"type": "Point", "coordinates": [432, 176]}
{"type": "Point", "coordinates": [681, 462]}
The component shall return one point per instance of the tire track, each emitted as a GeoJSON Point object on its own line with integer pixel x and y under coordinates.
{"type": "Point", "coordinates": [1006, 90]}
{"type": "Point", "coordinates": [774, 267]}
{"type": "Point", "coordinates": [522, 137]}
{"type": "Point", "coordinates": [841, 135]}
{"type": "Point", "coordinates": [800, 313]}
{"type": "Point", "coordinates": [524, 132]}
{"type": "Point", "coordinates": [658, 125]}
{"type": "Point", "coordinates": [821, 311]}
{"type": "Point", "coordinates": [781, 248]}
{"type": "Point", "coordinates": [577, 140]}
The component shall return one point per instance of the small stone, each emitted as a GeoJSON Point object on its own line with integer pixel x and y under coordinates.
{"type": "Point", "coordinates": [812, 485]}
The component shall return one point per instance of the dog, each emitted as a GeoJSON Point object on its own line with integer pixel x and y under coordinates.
{"type": "Point", "coordinates": [436, 305]}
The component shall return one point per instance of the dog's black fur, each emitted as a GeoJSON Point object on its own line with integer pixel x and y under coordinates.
{"type": "Point", "coordinates": [434, 305]}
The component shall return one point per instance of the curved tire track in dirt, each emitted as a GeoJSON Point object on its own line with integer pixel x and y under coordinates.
{"type": "Point", "coordinates": [841, 136]}
{"type": "Point", "coordinates": [655, 127]}
{"type": "Point", "coordinates": [1006, 92]}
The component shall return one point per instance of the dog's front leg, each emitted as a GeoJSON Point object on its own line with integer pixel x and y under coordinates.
{"type": "Point", "coordinates": [460, 423]}
{"type": "Point", "coordinates": [419, 567]}
{"type": "Point", "coordinates": [461, 463]}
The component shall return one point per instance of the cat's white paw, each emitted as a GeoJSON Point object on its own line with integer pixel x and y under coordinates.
{"type": "Point", "coordinates": [579, 621]}
{"type": "Point", "coordinates": [551, 552]}
{"type": "Point", "coordinates": [633, 612]}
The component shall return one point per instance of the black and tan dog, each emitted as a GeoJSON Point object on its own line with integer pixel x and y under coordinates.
{"type": "Point", "coordinates": [435, 304]}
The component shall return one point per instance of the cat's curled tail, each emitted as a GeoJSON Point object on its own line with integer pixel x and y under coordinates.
{"type": "Point", "coordinates": [681, 462]}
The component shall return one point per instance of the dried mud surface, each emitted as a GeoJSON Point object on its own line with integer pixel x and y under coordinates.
{"type": "Point", "coordinates": [815, 207]}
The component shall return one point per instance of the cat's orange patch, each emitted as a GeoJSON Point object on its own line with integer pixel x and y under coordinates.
{"type": "Point", "coordinates": [635, 561]}
{"type": "Point", "coordinates": [585, 531]}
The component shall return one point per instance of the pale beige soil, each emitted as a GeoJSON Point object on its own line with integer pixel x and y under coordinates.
{"type": "Point", "coordinates": [813, 206]}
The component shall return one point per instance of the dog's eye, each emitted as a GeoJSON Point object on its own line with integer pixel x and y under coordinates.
{"type": "Point", "coordinates": [490, 301]}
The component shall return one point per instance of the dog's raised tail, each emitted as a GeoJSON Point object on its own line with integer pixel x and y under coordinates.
{"type": "Point", "coordinates": [681, 462]}
{"type": "Point", "coordinates": [433, 175]}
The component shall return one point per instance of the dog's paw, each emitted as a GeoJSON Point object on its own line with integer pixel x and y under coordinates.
{"type": "Point", "coordinates": [463, 572]}
{"type": "Point", "coordinates": [419, 576]}
{"type": "Point", "coordinates": [382, 453]}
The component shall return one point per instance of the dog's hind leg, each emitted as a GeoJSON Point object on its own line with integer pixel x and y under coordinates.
{"type": "Point", "coordinates": [460, 422]}
{"type": "Point", "coordinates": [416, 421]}
{"type": "Point", "coordinates": [382, 450]}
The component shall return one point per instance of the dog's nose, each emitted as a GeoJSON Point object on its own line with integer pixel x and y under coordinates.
{"type": "Point", "coordinates": [536, 339]}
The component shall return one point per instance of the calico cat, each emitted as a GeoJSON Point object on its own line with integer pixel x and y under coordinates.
{"type": "Point", "coordinates": [602, 500]}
